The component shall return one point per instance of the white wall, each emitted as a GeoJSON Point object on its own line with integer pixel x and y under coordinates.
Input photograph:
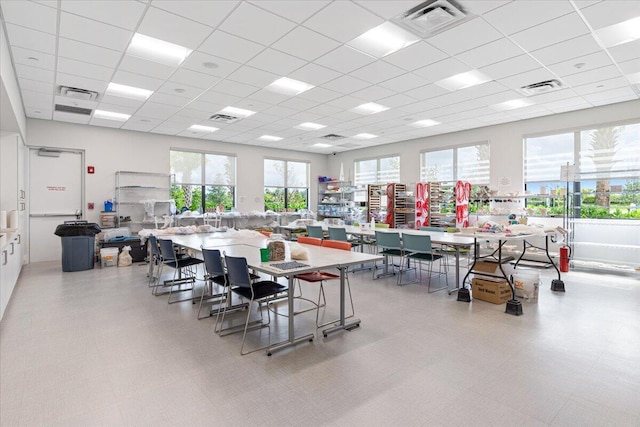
{"type": "Point", "coordinates": [505, 143]}
{"type": "Point", "coordinates": [110, 150]}
{"type": "Point", "coordinates": [13, 118]}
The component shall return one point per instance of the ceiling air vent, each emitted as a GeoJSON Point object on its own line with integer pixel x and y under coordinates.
{"type": "Point", "coordinates": [432, 17]}
{"type": "Point", "coordinates": [74, 110]}
{"type": "Point", "coordinates": [541, 87]}
{"type": "Point", "coordinates": [332, 137]}
{"type": "Point", "coordinates": [74, 92]}
{"type": "Point", "coordinates": [224, 118]}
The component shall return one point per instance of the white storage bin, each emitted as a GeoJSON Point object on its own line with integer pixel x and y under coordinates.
{"type": "Point", "coordinates": [109, 257]}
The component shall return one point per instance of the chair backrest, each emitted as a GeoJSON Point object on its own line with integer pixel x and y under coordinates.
{"type": "Point", "coordinates": [213, 262]}
{"type": "Point", "coordinates": [309, 241]}
{"type": "Point", "coordinates": [238, 271]}
{"type": "Point", "coordinates": [153, 244]}
{"type": "Point", "coordinates": [337, 244]}
{"type": "Point", "coordinates": [388, 240]}
{"type": "Point", "coordinates": [381, 225]}
{"type": "Point", "coordinates": [416, 243]}
{"type": "Point", "coordinates": [265, 233]}
{"type": "Point", "coordinates": [166, 250]}
{"type": "Point", "coordinates": [430, 228]}
{"type": "Point", "coordinates": [212, 219]}
{"type": "Point", "coordinates": [315, 231]}
{"type": "Point", "coordinates": [338, 233]}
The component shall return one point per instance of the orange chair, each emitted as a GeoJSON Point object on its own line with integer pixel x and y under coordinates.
{"type": "Point", "coordinates": [337, 244]}
{"type": "Point", "coordinates": [310, 241]}
{"type": "Point", "coordinates": [265, 233]}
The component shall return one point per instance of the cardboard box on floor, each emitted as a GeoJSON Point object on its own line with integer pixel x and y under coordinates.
{"type": "Point", "coordinates": [490, 291]}
{"type": "Point", "coordinates": [489, 267]}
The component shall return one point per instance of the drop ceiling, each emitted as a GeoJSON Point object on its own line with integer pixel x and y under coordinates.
{"type": "Point", "coordinates": [241, 47]}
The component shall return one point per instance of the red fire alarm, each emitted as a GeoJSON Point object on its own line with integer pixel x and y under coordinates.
{"type": "Point", "coordinates": [91, 169]}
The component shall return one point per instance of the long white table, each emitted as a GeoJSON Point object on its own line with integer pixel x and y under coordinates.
{"type": "Point", "coordinates": [319, 258]}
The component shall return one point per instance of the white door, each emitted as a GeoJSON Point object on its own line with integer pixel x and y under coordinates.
{"type": "Point", "coordinates": [55, 195]}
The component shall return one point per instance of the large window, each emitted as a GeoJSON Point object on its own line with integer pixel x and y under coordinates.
{"type": "Point", "coordinates": [375, 171]}
{"type": "Point", "coordinates": [607, 163]}
{"type": "Point", "coordinates": [204, 182]}
{"type": "Point", "coordinates": [469, 163]}
{"type": "Point", "coordinates": [286, 185]}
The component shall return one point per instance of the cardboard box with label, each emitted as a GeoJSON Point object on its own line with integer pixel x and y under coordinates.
{"type": "Point", "coordinates": [490, 291]}
{"type": "Point", "coordinates": [490, 267]}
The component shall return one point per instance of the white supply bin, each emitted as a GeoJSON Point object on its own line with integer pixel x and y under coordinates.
{"type": "Point", "coordinates": [109, 257]}
{"type": "Point", "coordinates": [526, 285]}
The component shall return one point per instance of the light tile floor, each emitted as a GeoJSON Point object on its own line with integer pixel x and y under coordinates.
{"type": "Point", "coordinates": [96, 348]}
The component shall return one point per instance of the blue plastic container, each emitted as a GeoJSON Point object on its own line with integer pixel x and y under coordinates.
{"type": "Point", "coordinates": [108, 206]}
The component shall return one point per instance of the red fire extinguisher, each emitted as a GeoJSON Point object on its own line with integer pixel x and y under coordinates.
{"type": "Point", "coordinates": [565, 254]}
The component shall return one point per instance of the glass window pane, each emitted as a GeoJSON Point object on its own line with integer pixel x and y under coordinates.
{"type": "Point", "coordinates": [187, 197]}
{"type": "Point", "coordinates": [274, 199]}
{"type": "Point", "coordinates": [297, 174]}
{"type": "Point", "coordinates": [610, 152]}
{"type": "Point", "coordinates": [220, 170]}
{"type": "Point", "coordinates": [437, 166]}
{"type": "Point", "coordinates": [187, 167]}
{"type": "Point", "coordinates": [473, 164]}
{"type": "Point", "coordinates": [297, 198]}
{"type": "Point", "coordinates": [274, 171]}
{"type": "Point", "coordinates": [366, 171]}
{"type": "Point", "coordinates": [545, 155]}
{"type": "Point", "coordinates": [389, 170]}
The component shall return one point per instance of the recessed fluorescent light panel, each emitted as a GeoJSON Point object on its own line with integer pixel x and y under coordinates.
{"type": "Point", "coordinates": [130, 92]}
{"type": "Point", "coordinates": [512, 104]}
{"type": "Point", "coordinates": [321, 145]}
{"type": "Point", "coordinates": [110, 115]}
{"type": "Point", "coordinates": [200, 128]}
{"type": "Point", "coordinates": [157, 50]}
{"type": "Point", "coordinates": [425, 123]}
{"type": "Point", "coordinates": [463, 80]}
{"type": "Point", "coordinates": [383, 40]}
{"type": "Point", "coordinates": [289, 87]}
{"type": "Point", "coordinates": [270, 138]}
{"type": "Point", "coordinates": [364, 136]}
{"type": "Point", "coordinates": [310, 126]}
{"type": "Point", "coordinates": [623, 32]}
{"type": "Point", "coordinates": [369, 108]}
{"type": "Point", "coordinates": [237, 112]}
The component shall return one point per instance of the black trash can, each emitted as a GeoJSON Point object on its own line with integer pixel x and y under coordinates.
{"type": "Point", "coordinates": [78, 244]}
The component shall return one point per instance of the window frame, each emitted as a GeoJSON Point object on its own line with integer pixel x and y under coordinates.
{"type": "Point", "coordinates": [455, 165]}
{"type": "Point", "coordinates": [287, 188]}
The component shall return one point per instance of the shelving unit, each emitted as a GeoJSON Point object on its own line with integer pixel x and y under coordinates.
{"type": "Point", "coordinates": [441, 204]}
{"type": "Point", "coordinates": [400, 206]}
{"type": "Point", "coordinates": [144, 198]}
{"type": "Point", "coordinates": [375, 203]}
{"type": "Point", "coordinates": [334, 200]}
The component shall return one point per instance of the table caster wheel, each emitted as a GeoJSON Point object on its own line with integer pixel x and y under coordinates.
{"type": "Point", "coordinates": [310, 339]}
{"type": "Point", "coordinates": [325, 335]}
{"type": "Point", "coordinates": [268, 354]}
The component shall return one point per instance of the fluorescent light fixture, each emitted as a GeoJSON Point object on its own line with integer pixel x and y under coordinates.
{"type": "Point", "coordinates": [130, 92]}
{"type": "Point", "coordinates": [237, 112]}
{"type": "Point", "coordinates": [110, 115]}
{"type": "Point", "coordinates": [620, 33]}
{"type": "Point", "coordinates": [463, 80]}
{"type": "Point", "coordinates": [512, 104]}
{"type": "Point", "coordinates": [270, 138]}
{"type": "Point", "coordinates": [383, 40]}
{"type": "Point", "coordinates": [425, 123]}
{"type": "Point", "coordinates": [157, 50]}
{"type": "Point", "coordinates": [364, 136]}
{"type": "Point", "coordinates": [200, 128]}
{"type": "Point", "coordinates": [310, 126]}
{"type": "Point", "coordinates": [369, 108]}
{"type": "Point", "coordinates": [321, 145]}
{"type": "Point", "coordinates": [288, 86]}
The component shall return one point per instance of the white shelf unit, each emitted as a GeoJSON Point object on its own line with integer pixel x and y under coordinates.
{"type": "Point", "coordinates": [334, 200]}
{"type": "Point", "coordinates": [143, 197]}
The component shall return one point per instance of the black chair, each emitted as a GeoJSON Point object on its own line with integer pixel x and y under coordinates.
{"type": "Point", "coordinates": [184, 271]}
{"type": "Point", "coordinates": [261, 292]}
{"type": "Point", "coordinates": [155, 259]}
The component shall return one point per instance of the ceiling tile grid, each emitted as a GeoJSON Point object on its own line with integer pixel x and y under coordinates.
{"type": "Point", "coordinates": [234, 50]}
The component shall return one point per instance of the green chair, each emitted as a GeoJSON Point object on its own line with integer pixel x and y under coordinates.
{"type": "Point", "coordinates": [418, 248]}
{"type": "Point", "coordinates": [388, 244]}
{"type": "Point", "coordinates": [340, 234]}
{"type": "Point", "coordinates": [315, 231]}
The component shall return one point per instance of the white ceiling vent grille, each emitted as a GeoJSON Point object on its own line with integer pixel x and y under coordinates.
{"type": "Point", "coordinates": [432, 17]}
{"type": "Point", "coordinates": [223, 118]}
{"type": "Point", "coordinates": [74, 110]}
{"type": "Point", "coordinates": [541, 87]}
{"type": "Point", "coordinates": [77, 93]}
{"type": "Point", "coordinates": [332, 137]}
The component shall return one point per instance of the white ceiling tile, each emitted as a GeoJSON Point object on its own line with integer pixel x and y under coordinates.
{"type": "Point", "coordinates": [346, 103]}
{"type": "Point", "coordinates": [484, 89]}
{"type": "Point", "coordinates": [253, 105]}
{"type": "Point", "coordinates": [626, 51]}
{"type": "Point", "coordinates": [193, 78]}
{"type": "Point", "coordinates": [590, 62]}
{"type": "Point", "coordinates": [273, 61]}
{"type": "Point", "coordinates": [373, 93]}
{"type": "Point", "coordinates": [305, 44]}
{"type": "Point", "coordinates": [314, 74]}
{"type": "Point", "coordinates": [320, 94]}
{"type": "Point", "coordinates": [520, 15]}
{"type": "Point", "coordinates": [298, 103]}
{"type": "Point", "coordinates": [387, 9]}
{"type": "Point", "coordinates": [210, 13]}
{"type": "Point", "coordinates": [206, 106]}
{"type": "Point", "coordinates": [527, 78]}
{"type": "Point", "coordinates": [168, 99]}
{"type": "Point", "coordinates": [343, 21]}
{"type": "Point", "coordinates": [344, 59]}
{"type": "Point", "coordinates": [592, 76]}
{"type": "Point", "coordinates": [397, 100]}
{"type": "Point", "coordinates": [615, 95]}
{"type": "Point", "coordinates": [579, 46]}
{"type": "Point", "coordinates": [142, 124]}
{"type": "Point", "coordinates": [572, 107]}
{"type": "Point", "coordinates": [37, 99]}
{"type": "Point", "coordinates": [253, 76]}
{"type": "Point", "coordinates": [70, 117]}
{"type": "Point", "coordinates": [377, 72]}
{"type": "Point", "coordinates": [297, 11]}
{"type": "Point", "coordinates": [510, 67]}
{"type": "Point", "coordinates": [230, 47]}
{"type": "Point", "coordinates": [600, 86]}
{"type": "Point", "coordinates": [216, 98]}
{"type": "Point", "coordinates": [235, 88]}
{"type": "Point", "coordinates": [38, 59]}
{"type": "Point", "coordinates": [30, 15]}
{"type": "Point", "coordinates": [173, 29]}
{"type": "Point", "coordinates": [35, 86]}
{"type": "Point", "coordinates": [346, 84]}
{"type": "Point", "coordinates": [553, 96]}
{"type": "Point", "coordinates": [490, 53]}
{"type": "Point", "coordinates": [629, 67]}
{"type": "Point", "coordinates": [115, 108]}
{"type": "Point", "coordinates": [78, 68]}
{"type": "Point", "coordinates": [31, 39]}
{"type": "Point", "coordinates": [93, 32]}
{"type": "Point", "coordinates": [476, 33]}
{"type": "Point", "coordinates": [279, 111]}
{"type": "Point", "coordinates": [196, 60]}
{"type": "Point", "coordinates": [585, 3]}
{"type": "Point", "coordinates": [147, 68]}
{"type": "Point", "coordinates": [497, 98]}
{"type": "Point", "coordinates": [180, 90]}
{"type": "Point", "coordinates": [443, 69]}
{"type": "Point", "coordinates": [610, 12]}
{"type": "Point", "coordinates": [417, 55]}
{"type": "Point", "coordinates": [256, 24]}
{"type": "Point", "coordinates": [81, 82]}
{"type": "Point", "coordinates": [268, 96]}
{"type": "Point", "coordinates": [136, 80]}
{"type": "Point", "coordinates": [106, 123]}
{"type": "Point", "coordinates": [563, 28]}
{"type": "Point", "coordinates": [123, 13]}
{"type": "Point", "coordinates": [324, 110]}
{"type": "Point", "coordinates": [157, 111]}
{"type": "Point", "coordinates": [481, 7]}
{"type": "Point", "coordinates": [194, 114]}
{"type": "Point", "coordinates": [88, 53]}
{"type": "Point", "coordinates": [166, 129]}
{"type": "Point", "coordinates": [38, 113]}
{"type": "Point", "coordinates": [118, 100]}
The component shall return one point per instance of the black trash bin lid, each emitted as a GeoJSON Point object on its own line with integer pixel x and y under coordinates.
{"type": "Point", "coordinates": [78, 229]}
